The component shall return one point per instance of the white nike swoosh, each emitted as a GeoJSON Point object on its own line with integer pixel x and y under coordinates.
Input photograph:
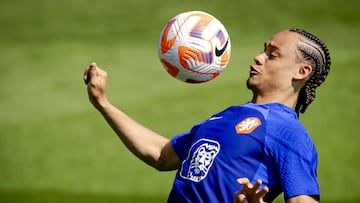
{"type": "Point", "coordinates": [215, 118]}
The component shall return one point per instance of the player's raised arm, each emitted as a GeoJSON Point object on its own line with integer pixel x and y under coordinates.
{"type": "Point", "coordinates": [149, 146]}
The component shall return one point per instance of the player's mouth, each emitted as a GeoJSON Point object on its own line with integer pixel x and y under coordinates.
{"type": "Point", "coordinates": [253, 71]}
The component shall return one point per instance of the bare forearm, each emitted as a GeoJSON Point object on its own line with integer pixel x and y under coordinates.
{"type": "Point", "coordinates": [149, 146]}
{"type": "Point", "coordinates": [141, 141]}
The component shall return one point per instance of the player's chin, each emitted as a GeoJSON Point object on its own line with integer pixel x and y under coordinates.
{"type": "Point", "coordinates": [250, 83]}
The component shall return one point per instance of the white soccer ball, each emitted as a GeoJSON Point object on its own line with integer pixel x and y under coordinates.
{"type": "Point", "coordinates": [194, 47]}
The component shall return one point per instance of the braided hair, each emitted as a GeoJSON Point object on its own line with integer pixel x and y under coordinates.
{"type": "Point", "coordinates": [313, 51]}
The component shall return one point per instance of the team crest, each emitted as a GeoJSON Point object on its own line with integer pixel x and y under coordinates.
{"type": "Point", "coordinates": [247, 125]}
{"type": "Point", "coordinates": [200, 159]}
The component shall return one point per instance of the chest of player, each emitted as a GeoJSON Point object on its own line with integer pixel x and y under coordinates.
{"type": "Point", "coordinates": [237, 132]}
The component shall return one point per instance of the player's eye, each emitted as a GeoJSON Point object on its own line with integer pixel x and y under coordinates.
{"type": "Point", "coordinates": [273, 55]}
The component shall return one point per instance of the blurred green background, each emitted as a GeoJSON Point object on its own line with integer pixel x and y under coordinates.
{"type": "Point", "coordinates": [54, 147]}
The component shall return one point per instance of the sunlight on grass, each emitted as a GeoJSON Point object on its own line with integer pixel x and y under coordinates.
{"type": "Point", "coordinates": [54, 146]}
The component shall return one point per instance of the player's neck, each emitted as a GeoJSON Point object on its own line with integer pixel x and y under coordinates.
{"type": "Point", "coordinates": [283, 98]}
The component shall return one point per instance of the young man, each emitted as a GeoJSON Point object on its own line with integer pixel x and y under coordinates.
{"type": "Point", "coordinates": [261, 141]}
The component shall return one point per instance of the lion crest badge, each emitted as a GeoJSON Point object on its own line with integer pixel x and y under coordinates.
{"type": "Point", "coordinates": [200, 159]}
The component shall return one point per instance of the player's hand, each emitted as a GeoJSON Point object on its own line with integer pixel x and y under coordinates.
{"type": "Point", "coordinates": [96, 81]}
{"type": "Point", "coordinates": [250, 193]}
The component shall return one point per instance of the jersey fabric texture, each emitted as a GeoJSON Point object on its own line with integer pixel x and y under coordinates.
{"type": "Point", "coordinates": [263, 141]}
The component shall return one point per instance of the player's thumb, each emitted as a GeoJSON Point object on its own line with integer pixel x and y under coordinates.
{"type": "Point", "coordinates": [91, 72]}
{"type": "Point", "coordinates": [92, 69]}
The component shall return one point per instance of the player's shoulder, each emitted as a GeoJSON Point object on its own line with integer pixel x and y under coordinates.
{"type": "Point", "coordinates": [272, 111]}
{"type": "Point", "coordinates": [242, 111]}
{"type": "Point", "coordinates": [284, 129]}
{"type": "Point", "coordinates": [280, 120]}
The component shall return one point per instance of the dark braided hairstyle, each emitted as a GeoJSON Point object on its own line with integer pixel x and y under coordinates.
{"type": "Point", "coordinates": [313, 51]}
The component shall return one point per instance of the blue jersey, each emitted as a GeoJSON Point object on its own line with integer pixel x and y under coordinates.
{"type": "Point", "coordinates": [264, 142]}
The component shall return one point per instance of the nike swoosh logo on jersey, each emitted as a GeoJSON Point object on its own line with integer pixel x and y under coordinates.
{"type": "Point", "coordinates": [219, 52]}
{"type": "Point", "coordinates": [215, 118]}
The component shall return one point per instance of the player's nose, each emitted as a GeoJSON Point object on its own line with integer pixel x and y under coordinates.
{"type": "Point", "coordinates": [260, 58]}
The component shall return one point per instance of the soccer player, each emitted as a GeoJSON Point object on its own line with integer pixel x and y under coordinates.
{"type": "Point", "coordinates": [245, 153]}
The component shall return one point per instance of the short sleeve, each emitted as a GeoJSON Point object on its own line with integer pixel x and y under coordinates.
{"type": "Point", "coordinates": [182, 142]}
{"type": "Point", "coordinates": [297, 161]}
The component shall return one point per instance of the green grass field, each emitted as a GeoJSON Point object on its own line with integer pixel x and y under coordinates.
{"type": "Point", "coordinates": [54, 147]}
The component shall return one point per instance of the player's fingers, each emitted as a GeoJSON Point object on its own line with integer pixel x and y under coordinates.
{"type": "Point", "coordinates": [263, 192]}
{"type": "Point", "coordinates": [85, 75]}
{"type": "Point", "coordinates": [243, 181]}
{"type": "Point", "coordinates": [246, 186]}
{"type": "Point", "coordinates": [93, 72]}
{"type": "Point", "coordinates": [92, 65]}
{"type": "Point", "coordinates": [257, 185]}
{"type": "Point", "coordinates": [239, 197]}
{"type": "Point", "coordinates": [88, 71]}
{"type": "Point", "coordinates": [92, 69]}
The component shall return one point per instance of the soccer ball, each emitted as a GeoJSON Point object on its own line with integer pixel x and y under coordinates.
{"type": "Point", "coordinates": [194, 47]}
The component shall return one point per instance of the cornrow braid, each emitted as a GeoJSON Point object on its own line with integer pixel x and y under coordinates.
{"type": "Point", "coordinates": [315, 52]}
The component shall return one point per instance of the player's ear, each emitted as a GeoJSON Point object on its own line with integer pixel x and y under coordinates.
{"type": "Point", "coordinates": [304, 71]}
